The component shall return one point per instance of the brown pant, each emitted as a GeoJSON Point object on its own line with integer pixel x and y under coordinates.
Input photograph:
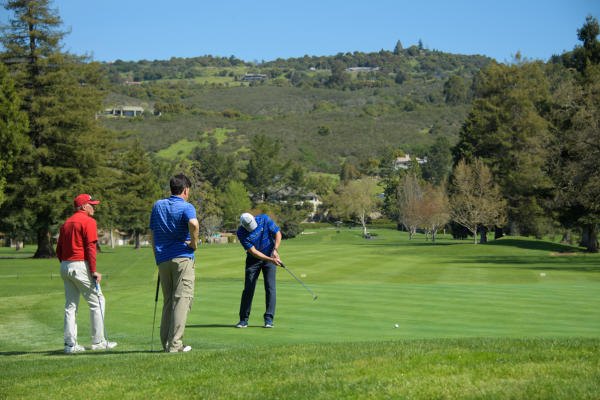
{"type": "Point", "coordinates": [177, 280]}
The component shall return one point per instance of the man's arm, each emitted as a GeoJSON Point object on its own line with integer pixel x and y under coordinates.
{"type": "Point", "coordinates": [59, 246]}
{"type": "Point", "coordinates": [194, 228]}
{"type": "Point", "coordinates": [152, 242]}
{"type": "Point", "coordinates": [275, 253]}
{"type": "Point", "coordinates": [90, 257]}
{"type": "Point", "coordinates": [261, 256]}
{"type": "Point", "coordinates": [89, 248]}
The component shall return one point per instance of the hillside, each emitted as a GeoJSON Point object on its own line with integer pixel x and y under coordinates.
{"type": "Point", "coordinates": [322, 116]}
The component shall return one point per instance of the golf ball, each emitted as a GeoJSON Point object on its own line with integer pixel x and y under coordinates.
{"type": "Point", "coordinates": [542, 274]}
{"type": "Point", "coordinates": [395, 326]}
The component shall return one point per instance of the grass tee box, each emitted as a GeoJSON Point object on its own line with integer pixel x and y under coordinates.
{"type": "Point", "coordinates": [516, 318]}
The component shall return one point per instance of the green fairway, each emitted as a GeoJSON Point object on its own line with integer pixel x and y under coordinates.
{"type": "Point", "coordinates": [516, 318]}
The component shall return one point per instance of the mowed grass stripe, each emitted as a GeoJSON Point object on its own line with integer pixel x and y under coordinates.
{"type": "Point", "coordinates": [474, 321]}
{"type": "Point", "coordinates": [421, 369]}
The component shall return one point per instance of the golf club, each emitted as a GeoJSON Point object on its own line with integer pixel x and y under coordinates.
{"type": "Point", "coordinates": [101, 313]}
{"type": "Point", "coordinates": [154, 318]}
{"type": "Point", "coordinates": [291, 273]}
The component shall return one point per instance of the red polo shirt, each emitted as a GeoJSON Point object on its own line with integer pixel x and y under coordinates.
{"type": "Point", "coordinates": [77, 240]}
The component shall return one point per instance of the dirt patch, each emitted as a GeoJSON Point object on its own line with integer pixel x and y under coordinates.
{"type": "Point", "coordinates": [555, 253]}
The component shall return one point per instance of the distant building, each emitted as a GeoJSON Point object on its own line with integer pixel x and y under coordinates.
{"type": "Point", "coordinates": [131, 83]}
{"type": "Point", "coordinates": [253, 77]}
{"type": "Point", "coordinates": [124, 111]}
{"type": "Point", "coordinates": [404, 162]}
{"type": "Point", "coordinates": [313, 199]}
{"type": "Point", "coordinates": [362, 69]}
{"type": "Point", "coordinates": [115, 237]}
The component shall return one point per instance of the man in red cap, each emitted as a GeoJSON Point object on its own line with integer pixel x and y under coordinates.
{"type": "Point", "coordinates": [76, 251]}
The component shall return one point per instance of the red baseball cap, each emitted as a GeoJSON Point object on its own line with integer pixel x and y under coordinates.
{"type": "Point", "coordinates": [84, 199]}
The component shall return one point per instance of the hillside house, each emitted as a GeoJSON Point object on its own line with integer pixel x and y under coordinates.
{"type": "Point", "coordinates": [313, 199]}
{"type": "Point", "coordinates": [404, 162]}
{"type": "Point", "coordinates": [362, 69]}
{"type": "Point", "coordinates": [307, 198]}
{"type": "Point", "coordinates": [123, 111]}
{"type": "Point", "coordinates": [253, 77]}
{"type": "Point", "coordinates": [119, 238]}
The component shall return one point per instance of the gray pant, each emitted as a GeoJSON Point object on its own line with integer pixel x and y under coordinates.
{"type": "Point", "coordinates": [177, 281]}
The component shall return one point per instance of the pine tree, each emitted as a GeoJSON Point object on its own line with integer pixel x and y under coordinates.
{"type": "Point", "coordinates": [235, 200]}
{"type": "Point", "coordinates": [506, 129]}
{"type": "Point", "coordinates": [439, 161]}
{"type": "Point", "coordinates": [13, 124]}
{"type": "Point", "coordinates": [455, 90]}
{"type": "Point", "coordinates": [138, 191]}
{"type": "Point", "coordinates": [576, 168]}
{"type": "Point", "coordinates": [348, 172]}
{"type": "Point", "coordinates": [398, 48]}
{"type": "Point", "coordinates": [59, 95]}
{"type": "Point", "coordinates": [264, 168]}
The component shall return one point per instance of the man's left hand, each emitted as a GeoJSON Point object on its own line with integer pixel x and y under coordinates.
{"type": "Point", "coordinates": [97, 276]}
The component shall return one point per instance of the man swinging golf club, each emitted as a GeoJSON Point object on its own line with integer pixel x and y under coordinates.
{"type": "Point", "coordinates": [260, 237]}
{"type": "Point", "coordinates": [76, 251]}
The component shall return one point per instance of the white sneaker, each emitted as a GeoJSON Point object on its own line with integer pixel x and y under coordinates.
{"type": "Point", "coordinates": [104, 345]}
{"type": "Point", "coordinates": [183, 349]}
{"type": "Point", "coordinates": [74, 349]}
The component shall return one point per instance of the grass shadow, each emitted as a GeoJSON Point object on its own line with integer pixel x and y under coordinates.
{"type": "Point", "coordinates": [20, 353]}
{"type": "Point", "coordinates": [222, 326]}
{"type": "Point", "coordinates": [548, 263]}
{"type": "Point", "coordinates": [24, 256]}
{"type": "Point", "coordinates": [532, 244]}
{"type": "Point", "coordinates": [211, 326]}
{"type": "Point", "coordinates": [546, 267]}
{"type": "Point", "coordinates": [561, 268]}
{"type": "Point", "coordinates": [412, 243]}
{"type": "Point", "coordinates": [62, 353]}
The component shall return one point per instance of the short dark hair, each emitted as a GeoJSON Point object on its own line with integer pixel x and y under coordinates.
{"type": "Point", "coordinates": [179, 183]}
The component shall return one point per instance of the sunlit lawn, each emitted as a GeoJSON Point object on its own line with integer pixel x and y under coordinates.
{"type": "Point", "coordinates": [511, 319]}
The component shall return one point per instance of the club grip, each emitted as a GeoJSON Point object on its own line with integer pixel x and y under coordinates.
{"type": "Point", "coordinates": [157, 286]}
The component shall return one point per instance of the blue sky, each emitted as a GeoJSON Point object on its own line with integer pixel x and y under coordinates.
{"type": "Point", "coordinates": [265, 30]}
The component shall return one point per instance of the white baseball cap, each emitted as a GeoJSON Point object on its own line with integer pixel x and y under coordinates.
{"type": "Point", "coordinates": [248, 222]}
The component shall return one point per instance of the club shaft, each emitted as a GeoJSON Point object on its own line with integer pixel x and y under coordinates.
{"type": "Point", "coordinates": [291, 273]}
{"type": "Point", "coordinates": [157, 287]}
{"type": "Point", "coordinates": [154, 318]}
{"type": "Point", "coordinates": [102, 314]}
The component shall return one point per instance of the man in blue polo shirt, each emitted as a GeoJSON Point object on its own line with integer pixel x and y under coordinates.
{"type": "Point", "coordinates": [174, 235]}
{"type": "Point", "coordinates": [260, 237]}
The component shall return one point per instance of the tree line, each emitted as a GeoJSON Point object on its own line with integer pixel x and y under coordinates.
{"type": "Point", "coordinates": [526, 161]}
{"type": "Point", "coordinates": [399, 63]}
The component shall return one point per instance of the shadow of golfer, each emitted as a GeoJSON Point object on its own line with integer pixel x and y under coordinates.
{"type": "Point", "coordinates": [80, 354]}
{"type": "Point", "coordinates": [210, 326]}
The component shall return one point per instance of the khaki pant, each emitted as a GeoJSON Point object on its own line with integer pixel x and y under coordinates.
{"type": "Point", "coordinates": [177, 281]}
{"type": "Point", "coordinates": [78, 281]}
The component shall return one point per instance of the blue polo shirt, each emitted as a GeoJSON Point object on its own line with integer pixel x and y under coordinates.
{"type": "Point", "coordinates": [262, 237]}
{"type": "Point", "coordinates": [169, 224]}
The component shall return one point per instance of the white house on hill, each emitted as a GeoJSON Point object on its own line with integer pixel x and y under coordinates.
{"type": "Point", "coordinates": [404, 162]}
